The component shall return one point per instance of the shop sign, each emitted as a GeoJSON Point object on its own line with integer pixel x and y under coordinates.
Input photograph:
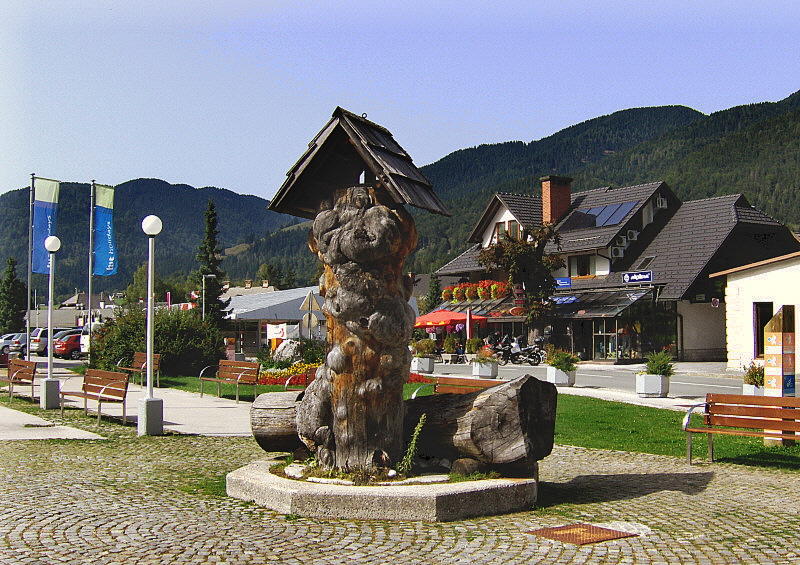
{"type": "Point", "coordinates": [563, 282]}
{"type": "Point", "coordinates": [636, 277]}
{"type": "Point", "coordinates": [779, 363]}
{"type": "Point", "coordinates": [276, 331]}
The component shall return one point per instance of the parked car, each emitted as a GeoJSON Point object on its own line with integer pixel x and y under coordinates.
{"type": "Point", "coordinates": [67, 346]}
{"type": "Point", "coordinates": [86, 334]}
{"type": "Point", "coordinates": [39, 339]}
{"type": "Point", "coordinates": [7, 340]}
{"type": "Point", "coordinates": [17, 344]}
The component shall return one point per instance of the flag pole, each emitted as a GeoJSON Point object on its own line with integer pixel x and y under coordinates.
{"type": "Point", "coordinates": [91, 266]}
{"type": "Point", "coordinates": [30, 259]}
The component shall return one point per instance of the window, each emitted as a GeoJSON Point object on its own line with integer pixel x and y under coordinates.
{"type": "Point", "coordinates": [499, 230]}
{"type": "Point", "coordinates": [581, 265]}
{"type": "Point", "coordinates": [762, 313]}
{"type": "Point", "coordinates": [644, 263]}
{"type": "Point", "coordinates": [513, 229]}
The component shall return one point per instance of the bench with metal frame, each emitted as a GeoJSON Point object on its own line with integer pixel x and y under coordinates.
{"type": "Point", "coordinates": [457, 385]}
{"type": "Point", "coordinates": [771, 417]}
{"type": "Point", "coordinates": [233, 372]}
{"type": "Point", "coordinates": [20, 372]}
{"type": "Point", "coordinates": [101, 386]}
{"type": "Point", "coordinates": [140, 366]}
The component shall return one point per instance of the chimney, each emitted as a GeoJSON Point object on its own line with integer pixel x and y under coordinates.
{"type": "Point", "coordinates": [248, 283]}
{"type": "Point", "coordinates": [556, 198]}
{"type": "Point", "coordinates": [264, 283]}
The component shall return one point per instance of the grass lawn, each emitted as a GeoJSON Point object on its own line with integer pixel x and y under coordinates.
{"type": "Point", "coordinates": [590, 422]}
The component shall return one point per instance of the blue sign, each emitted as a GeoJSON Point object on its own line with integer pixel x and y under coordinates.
{"type": "Point", "coordinates": [563, 282]}
{"type": "Point", "coordinates": [636, 277]}
{"type": "Point", "coordinates": [788, 385]}
{"type": "Point", "coordinates": [105, 248]}
{"type": "Point", "coordinates": [564, 299]}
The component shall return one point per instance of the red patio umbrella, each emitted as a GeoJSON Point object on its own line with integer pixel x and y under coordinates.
{"type": "Point", "coordinates": [446, 318]}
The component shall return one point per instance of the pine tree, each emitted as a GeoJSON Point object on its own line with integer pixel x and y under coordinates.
{"type": "Point", "coordinates": [13, 299]}
{"type": "Point", "coordinates": [434, 295]}
{"type": "Point", "coordinates": [209, 256]}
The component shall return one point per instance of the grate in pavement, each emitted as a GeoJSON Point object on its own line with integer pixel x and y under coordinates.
{"type": "Point", "coordinates": [580, 534]}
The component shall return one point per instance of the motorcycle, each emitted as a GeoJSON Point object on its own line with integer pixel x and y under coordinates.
{"type": "Point", "coordinates": [502, 350]}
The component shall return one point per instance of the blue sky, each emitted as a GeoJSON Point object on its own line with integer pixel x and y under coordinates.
{"type": "Point", "coordinates": [229, 93]}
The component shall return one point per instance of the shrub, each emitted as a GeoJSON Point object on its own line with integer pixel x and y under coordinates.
{"type": "Point", "coordinates": [424, 347]}
{"type": "Point", "coordinates": [563, 361]}
{"type": "Point", "coordinates": [471, 292]}
{"type": "Point", "coordinates": [449, 344]}
{"type": "Point", "coordinates": [754, 375]}
{"type": "Point", "coordinates": [659, 364]}
{"type": "Point", "coordinates": [264, 356]}
{"type": "Point", "coordinates": [485, 355]}
{"type": "Point", "coordinates": [474, 344]}
{"type": "Point", "coordinates": [186, 343]}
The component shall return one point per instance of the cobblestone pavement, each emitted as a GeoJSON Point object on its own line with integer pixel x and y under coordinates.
{"type": "Point", "coordinates": [160, 500]}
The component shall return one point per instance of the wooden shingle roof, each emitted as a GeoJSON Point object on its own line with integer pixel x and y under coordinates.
{"type": "Point", "coordinates": [335, 159]}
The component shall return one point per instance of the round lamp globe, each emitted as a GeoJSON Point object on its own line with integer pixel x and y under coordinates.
{"type": "Point", "coordinates": [152, 225]}
{"type": "Point", "coordinates": [52, 243]}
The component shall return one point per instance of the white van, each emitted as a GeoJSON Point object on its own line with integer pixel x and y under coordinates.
{"type": "Point", "coordinates": [86, 334]}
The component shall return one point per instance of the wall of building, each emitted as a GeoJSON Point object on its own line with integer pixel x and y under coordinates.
{"type": "Point", "coordinates": [703, 331]}
{"type": "Point", "coordinates": [776, 283]}
{"type": "Point", "coordinates": [502, 215]}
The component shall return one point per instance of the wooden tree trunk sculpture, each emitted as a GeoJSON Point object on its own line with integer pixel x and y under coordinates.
{"type": "Point", "coordinates": [352, 414]}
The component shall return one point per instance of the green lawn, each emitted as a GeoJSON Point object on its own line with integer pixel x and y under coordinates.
{"type": "Point", "coordinates": [590, 422]}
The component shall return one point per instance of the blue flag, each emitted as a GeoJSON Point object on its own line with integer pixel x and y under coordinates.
{"type": "Point", "coordinates": [45, 207]}
{"type": "Point", "coordinates": [105, 248]}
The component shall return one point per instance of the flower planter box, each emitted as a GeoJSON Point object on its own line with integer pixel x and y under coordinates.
{"type": "Point", "coordinates": [559, 377]}
{"type": "Point", "coordinates": [422, 364]}
{"type": "Point", "coordinates": [484, 370]}
{"type": "Point", "coordinates": [652, 386]}
{"type": "Point", "coordinates": [752, 390]}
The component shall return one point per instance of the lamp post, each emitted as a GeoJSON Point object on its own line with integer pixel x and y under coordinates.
{"type": "Point", "coordinates": [151, 410]}
{"type": "Point", "coordinates": [204, 293]}
{"type": "Point", "coordinates": [49, 397]}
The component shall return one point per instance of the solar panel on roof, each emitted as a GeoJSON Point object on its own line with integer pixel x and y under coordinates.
{"type": "Point", "coordinates": [606, 213]}
{"type": "Point", "coordinates": [599, 216]}
{"type": "Point", "coordinates": [620, 213]}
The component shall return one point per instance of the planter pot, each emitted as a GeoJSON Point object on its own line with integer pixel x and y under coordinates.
{"type": "Point", "coordinates": [484, 370]}
{"type": "Point", "coordinates": [559, 377]}
{"type": "Point", "coordinates": [752, 390]}
{"type": "Point", "coordinates": [422, 364]}
{"type": "Point", "coordinates": [652, 386]}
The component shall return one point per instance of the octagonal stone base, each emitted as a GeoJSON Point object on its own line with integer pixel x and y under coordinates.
{"type": "Point", "coordinates": [430, 503]}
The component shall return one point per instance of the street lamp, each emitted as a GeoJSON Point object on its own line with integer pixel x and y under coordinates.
{"type": "Point", "coordinates": [151, 410]}
{"type": "Point", "coordinates": [204, 293]}
{"type": "Point", "coordinates": [49, 397]}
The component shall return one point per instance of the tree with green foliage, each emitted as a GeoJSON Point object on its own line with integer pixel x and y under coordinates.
{"type": "Point", "coordinates": [13, 299]}
{"type": "Point", "coordinates": [209, 256]}
{"type": "Point", "coordinates": [526, 263]}
{"type": "Point", "coordinates": [137, 290]}
{"type": "Point", "coordinates": [433, 297]}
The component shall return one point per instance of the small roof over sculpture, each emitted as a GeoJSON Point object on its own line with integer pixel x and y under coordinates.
{"type": "Point", "coordinates": [347, 147]}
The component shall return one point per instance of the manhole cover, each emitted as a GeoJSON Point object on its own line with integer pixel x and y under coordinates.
{"type": "Point", "coordinates": [580, 534]}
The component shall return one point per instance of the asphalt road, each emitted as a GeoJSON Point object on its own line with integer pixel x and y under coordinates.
{"type": "Point", "coordinates": [615, 377]}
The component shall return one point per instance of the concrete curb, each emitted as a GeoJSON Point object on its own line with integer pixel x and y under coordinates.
{"type": "Point", "coordinates": [440, 502]}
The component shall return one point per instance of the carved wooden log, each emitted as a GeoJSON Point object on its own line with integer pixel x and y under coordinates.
{"type": "Point", "coordinates": [352, 415]}
{"type": "Point", "coordinates": [508, 427]}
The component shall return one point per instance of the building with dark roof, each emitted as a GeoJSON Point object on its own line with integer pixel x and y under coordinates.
{"type": "Point", "coordinates": [637, 261]}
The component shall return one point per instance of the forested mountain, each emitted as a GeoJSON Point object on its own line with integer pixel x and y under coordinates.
{"type": "Point", "coordinates": [180, 207]}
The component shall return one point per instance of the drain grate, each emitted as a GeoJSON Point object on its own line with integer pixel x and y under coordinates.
{"type": "Point", "coordinates": [580, 534]}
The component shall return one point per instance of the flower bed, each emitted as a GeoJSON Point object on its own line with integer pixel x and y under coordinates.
{"type": "Point", "coordinates": [278, 377]}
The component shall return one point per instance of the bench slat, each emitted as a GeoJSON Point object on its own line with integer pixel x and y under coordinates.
{"type": "Point", "coordinates": [747, 433]}
{"type": "Point", "coordinates": [758, 423]}
{"type": "Point", "coordinates": [786, 401]}
{"type": "Point", "coordinates": [754, 411]}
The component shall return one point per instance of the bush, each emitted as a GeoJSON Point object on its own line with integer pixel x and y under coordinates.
{"type": "Point", "coordinates": [449, 344]}
{"type": "Point", "coordinates": [563, 361]}
{"type": "Point", "coordinates": [659, 364]}
{"type": "Point", "coordinates": [485, 355]}
{"type": "Point", "coordinates": [474, 344]}
{"type": "Point", "coordinates": [424, 347]}
{"type": "Point", "coordinates": [754, 375]}
{"type": "Point", "coordinates": [185, 342]}
{"type": "Point", "coordinates": [264, 356]}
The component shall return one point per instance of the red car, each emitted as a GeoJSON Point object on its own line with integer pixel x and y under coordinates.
{"type": "Point", "coordinates": [68, 347]}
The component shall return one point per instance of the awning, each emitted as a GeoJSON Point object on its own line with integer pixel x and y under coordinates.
{"type": "Point", "coordinates": [596, 304]}
{"type": "Point", "coordinates": [440, 318]}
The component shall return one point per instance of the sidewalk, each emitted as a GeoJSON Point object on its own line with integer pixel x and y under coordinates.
{"type": "Point", "coordinates": [16, 425]}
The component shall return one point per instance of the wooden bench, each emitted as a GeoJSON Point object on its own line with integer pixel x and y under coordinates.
{"type": "Point", "coordinates": [743, 415]}
{"type": "Point", "coordinates": [140, 366]}
{"type": "Point", "coordinates": [101, 386]}
{"type": "Point", "coordinates": [20, 372]}
{"type": "Point", "coordinates": [233, 372]}
{"type": "Point", "coordinates": [458, 385]}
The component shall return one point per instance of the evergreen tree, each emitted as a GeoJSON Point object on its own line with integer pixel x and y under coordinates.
{"type": "Point", "coordinates": [13, 299]}
{"type": "Point", "coordinates": [434, 295]}
{"type": "Point", "coordinates": [209, 256]}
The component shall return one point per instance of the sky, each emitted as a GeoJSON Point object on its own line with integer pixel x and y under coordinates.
{"type": "Point", "coordinates": [229, 94]}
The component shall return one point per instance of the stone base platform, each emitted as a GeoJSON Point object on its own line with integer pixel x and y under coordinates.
{"type": "Point", "coordinates": [440, 502]}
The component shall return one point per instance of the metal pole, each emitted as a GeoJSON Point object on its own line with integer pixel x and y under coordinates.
{"type": "Point", "coordinates": [204, 297]}
{"type": "Point", "coordinates": [30, 266]}
{"type": "Point", "coordinates": [91, 267]}
{"type": "Point", "coordinates": [150, 280]}
{"type": "Point", "coordinates": [50, 287]}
